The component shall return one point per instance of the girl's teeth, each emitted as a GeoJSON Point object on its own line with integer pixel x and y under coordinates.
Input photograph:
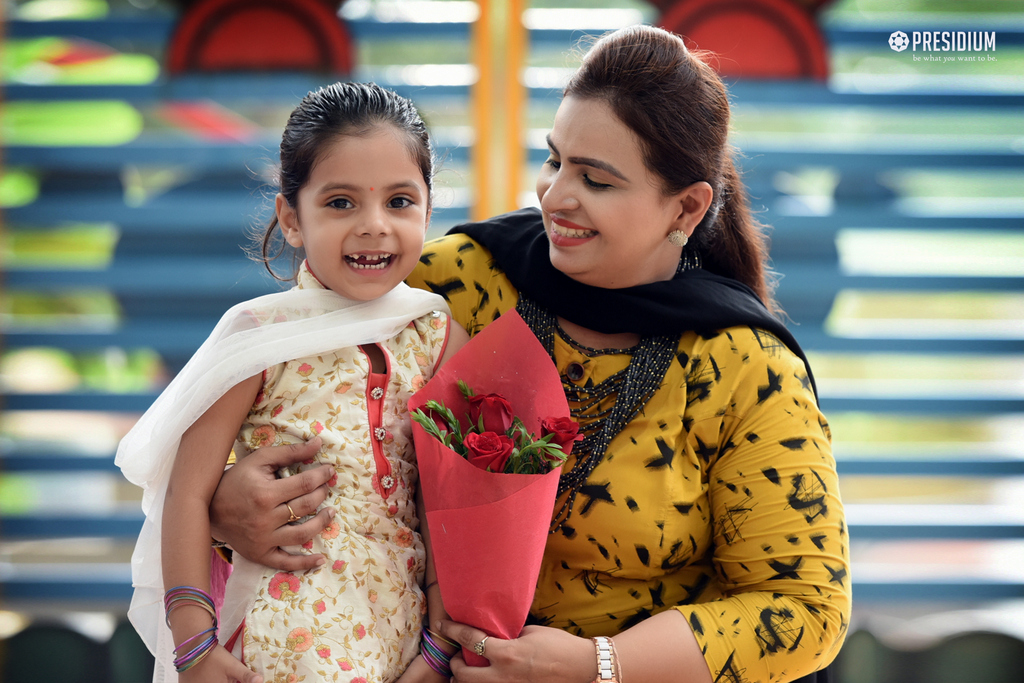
{"type": "Point", "coordinates": [369, 261]}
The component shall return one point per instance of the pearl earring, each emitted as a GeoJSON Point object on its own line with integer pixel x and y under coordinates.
{"type": "Point", "coordinates": [678, 238]}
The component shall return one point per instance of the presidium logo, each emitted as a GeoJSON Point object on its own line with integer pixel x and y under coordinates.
{"type": "Point", "coordinates": [946, 41]}
{"type": "Point", "coordinates": [898, 41]}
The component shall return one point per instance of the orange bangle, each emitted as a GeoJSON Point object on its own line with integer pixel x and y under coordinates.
{"type": "Point", "coordinates": [608, 670]}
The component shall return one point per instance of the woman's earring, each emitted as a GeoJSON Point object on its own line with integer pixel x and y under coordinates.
{"type": "Point", "coordinates": [678, 238]}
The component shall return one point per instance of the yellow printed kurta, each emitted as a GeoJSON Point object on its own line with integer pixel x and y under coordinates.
{"type": "Point", "coordinates": [720, 499]}
{"type": "Point", "coordinates": [358, 617]}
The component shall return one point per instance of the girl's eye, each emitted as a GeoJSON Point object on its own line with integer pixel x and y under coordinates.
{"type": "Point", "coordinates": [553, 163]}
{"type": "Point", "coordinates": [340, 203]}
{"type": "Point", "coordinates": [595, 185]}
{"type": "Point", "coordinates": [400, 203]}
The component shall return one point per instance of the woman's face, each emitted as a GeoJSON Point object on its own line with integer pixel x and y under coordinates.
{"type": "Point", "coordinates": [605, 214]}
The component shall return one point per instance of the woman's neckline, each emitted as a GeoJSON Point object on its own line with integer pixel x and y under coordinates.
{"type": "Point", "coordinates": [600, 344]}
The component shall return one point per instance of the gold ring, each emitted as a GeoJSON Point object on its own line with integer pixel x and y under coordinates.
{"type": "Point", "coordinates": [479, 647]}
{"type": "Point", "coordinates": [293, 517]}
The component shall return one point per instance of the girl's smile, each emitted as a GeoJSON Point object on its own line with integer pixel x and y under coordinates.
{"type": "Point", "coordinates": [369, 261]}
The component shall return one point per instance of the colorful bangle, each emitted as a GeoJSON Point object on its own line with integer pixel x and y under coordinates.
{"type": "Point", "coordinates": [435, 657]}
{"type": "Point", "coordinates": [180, 596]}
{"type": "Point", "coordinates": [435, 636]}
{"type": "Point", "coordinates": [196, 654]}
{"type": "Point", "coordinates": [181, 646]}
{"type": "Point", "coordinates": [608, 670]}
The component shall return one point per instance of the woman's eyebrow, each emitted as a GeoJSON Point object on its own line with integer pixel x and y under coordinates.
{"type": "Point", "coordinates": [593, 163]}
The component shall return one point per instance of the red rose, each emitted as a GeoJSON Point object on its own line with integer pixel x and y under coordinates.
{"type": "Point", "coordinates": [495, 411]}
{"type": "Point", "coordinates": [488, 451]}
{"type": "Point", "coordinates": [564, 431]}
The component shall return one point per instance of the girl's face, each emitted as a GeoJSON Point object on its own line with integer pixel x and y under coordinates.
{"type": "Point", "coordinates": [606, 217]}
{"type": "Point", "coordinates": [362, 215]}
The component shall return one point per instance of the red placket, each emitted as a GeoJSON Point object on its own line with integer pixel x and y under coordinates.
{"type": "Point", "coordinates": [376, 390]}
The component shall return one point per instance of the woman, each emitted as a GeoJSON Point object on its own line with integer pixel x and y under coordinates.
{"type": "Point", "coordinates": [699, 522]}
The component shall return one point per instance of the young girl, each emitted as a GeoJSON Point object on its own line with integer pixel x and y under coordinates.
{"type": "Point", "coordinates": [336, 357]}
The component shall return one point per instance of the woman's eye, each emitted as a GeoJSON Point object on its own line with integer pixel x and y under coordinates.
{"type": "Point", "coordinates": [400, 203]}
{"type": "Point", "coordinates": [340, 203]}
{"type": "Point", "coordinates": [553, 163]}
{"type": "Point", "coordinates": [593, 184]}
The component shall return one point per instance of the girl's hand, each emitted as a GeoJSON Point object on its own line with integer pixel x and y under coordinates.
{"type": "Point", "coordinates": [420, 672]}
{"type": "Point", "coordinates": [539, 655]}
{"type": "Point", "coordinates": [220, 666]}
{"type": "Point", "coordinates": [249, 510]}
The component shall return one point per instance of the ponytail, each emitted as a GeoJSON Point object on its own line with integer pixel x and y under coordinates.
{"type": "Point", "coordinates": [733, 243]}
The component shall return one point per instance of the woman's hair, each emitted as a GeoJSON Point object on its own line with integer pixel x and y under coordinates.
{"type": "Point", "coordinates": [678, 108]}
{"type": "Point", "coordinates": [327, 114]}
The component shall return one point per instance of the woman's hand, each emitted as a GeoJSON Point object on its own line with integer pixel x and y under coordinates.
{"type": "Point", "coordinates": [250, 508]}
{"type": "Point", "coordinates": [539, 655]}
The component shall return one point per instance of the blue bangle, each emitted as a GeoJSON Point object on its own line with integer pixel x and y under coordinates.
{"type": "Point", "coordinates": [436, 658]}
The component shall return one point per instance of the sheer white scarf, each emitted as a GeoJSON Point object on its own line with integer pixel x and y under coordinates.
{"type": "Point", "coordinates": [250, 337]}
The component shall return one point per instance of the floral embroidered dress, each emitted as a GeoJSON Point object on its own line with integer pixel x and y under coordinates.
{"type": "Point", "coordinates": [357, 617]}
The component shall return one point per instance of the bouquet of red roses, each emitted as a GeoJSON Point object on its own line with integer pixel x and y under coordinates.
{"type": "Point", "coordinates": [494, 439]}
{"type": "Point", "coordinates": [488, 482]}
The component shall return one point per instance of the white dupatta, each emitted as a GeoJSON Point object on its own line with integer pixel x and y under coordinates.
{"type": "Point", "coordinates": [251, 337]}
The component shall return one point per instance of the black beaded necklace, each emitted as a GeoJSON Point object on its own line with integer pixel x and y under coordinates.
{"type": "Point", "coordinates": [630, 388]}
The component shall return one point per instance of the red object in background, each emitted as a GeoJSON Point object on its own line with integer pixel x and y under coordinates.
{"type": "Point", "coordinates": [78, 51]}
{"type": "Point", "coordinates": [756, 39]}
{"type": "Point", "coordinates": [260, 35]}
{"type": "Point", "coordinates": [208, 120]}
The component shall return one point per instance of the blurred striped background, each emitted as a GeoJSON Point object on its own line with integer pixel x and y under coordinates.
{"type": "Point", "coordinates": [892, 183]}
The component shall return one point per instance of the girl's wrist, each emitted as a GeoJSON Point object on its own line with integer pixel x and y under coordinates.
{"type": "Point", "coordinates": [192, 613]}
{"type": "Point", "coordinates": [437, 652]}
{"type": "Point", "coordinates": [185, 623]}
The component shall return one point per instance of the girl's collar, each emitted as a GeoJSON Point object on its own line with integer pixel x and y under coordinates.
{"type": "Point", "coordinates": [307, 279]}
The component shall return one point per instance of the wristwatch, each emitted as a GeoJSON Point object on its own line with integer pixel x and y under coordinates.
{"type": "Point", "coordinates": [607, 663]}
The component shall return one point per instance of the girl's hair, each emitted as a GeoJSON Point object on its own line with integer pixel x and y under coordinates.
{"type": "Point", "coordinates": [678, 108]}
{"type": "Point", "coordinates": [327, 114]}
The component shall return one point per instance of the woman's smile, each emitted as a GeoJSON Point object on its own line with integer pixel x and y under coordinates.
{"type": "Point", "coordinates": [569, 231]}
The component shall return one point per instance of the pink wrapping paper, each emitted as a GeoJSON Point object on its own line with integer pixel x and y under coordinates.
{"type": "Point", "coordinates": [488, 529]}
